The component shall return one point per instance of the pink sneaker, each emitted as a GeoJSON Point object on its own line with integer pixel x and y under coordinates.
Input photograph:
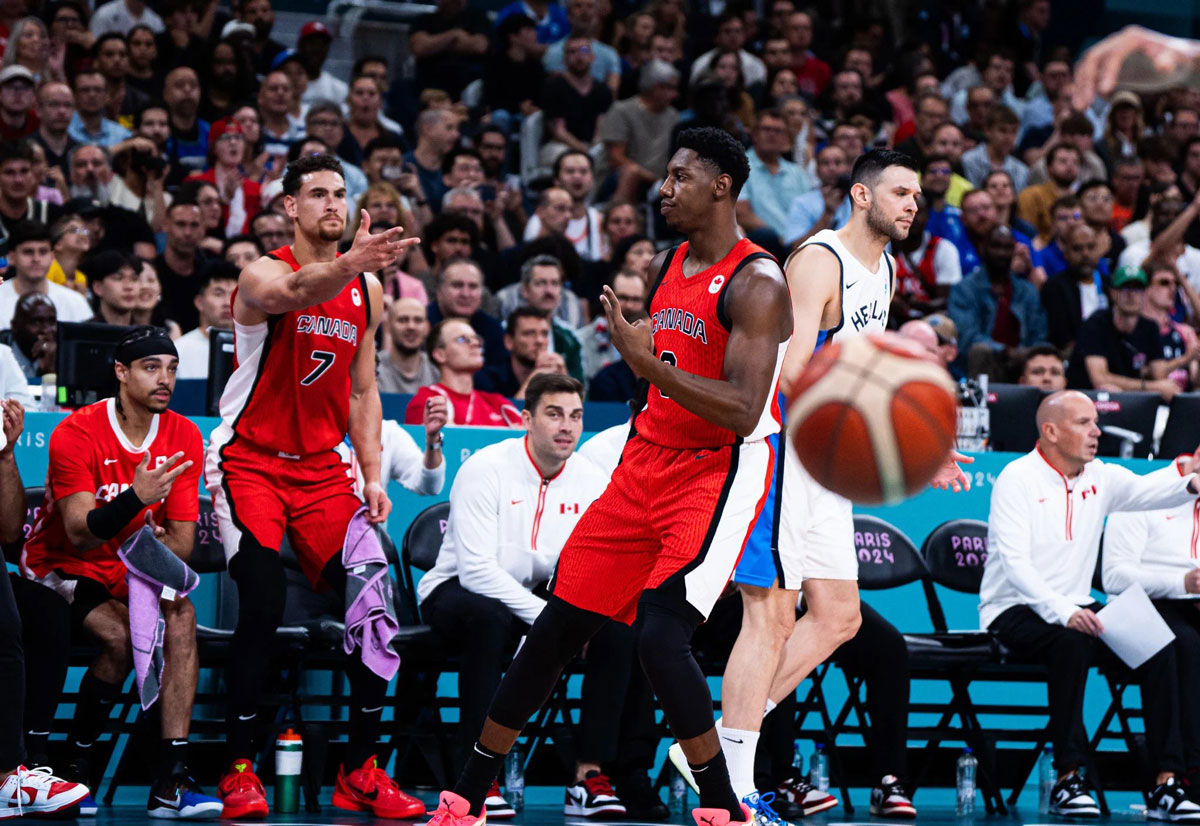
{"type": "Point", "coordinates": [452, 810]}
{"type": "Point", "coordinates": [720, 817]}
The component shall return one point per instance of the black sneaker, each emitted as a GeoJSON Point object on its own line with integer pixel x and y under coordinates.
{"type": "Point", "coordinates": [179, 798]}
{"type": "Point", "coordinates": [890, 799]}
{"type": "Point", "coordinates": [79, 771]}
{"type": "Point", "coordinates": [640, 799]}
{"type": "Point", "coordinates": [1070, 798]}
{"type": "Point", "coordinates": [593, 797]}
{"type": "Point", "coordinates": [1169, 801]}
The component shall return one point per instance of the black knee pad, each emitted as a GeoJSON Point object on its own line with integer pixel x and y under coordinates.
{"type": "Point", "coordinates": [667, 625]}
{"type": "Point", "coordinates": [262, 589]}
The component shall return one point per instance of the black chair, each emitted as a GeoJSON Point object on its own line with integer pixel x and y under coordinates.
{"type": "Point", "coordinates": [1133, 412]}
{"type": "Point", "coordinates": [1182, 433]}
{"type": "Point", "coordinates": [1012, 410]}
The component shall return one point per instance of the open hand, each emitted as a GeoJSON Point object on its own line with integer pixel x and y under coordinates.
{"type": "Point", "coordinates": [950, 476]}
{"type": "Point", "coordinates": [372, 253]}
{"type": "Point", "coordinates": [154, 485]}
{"type": "Point", "coordinates": [1098, 70]}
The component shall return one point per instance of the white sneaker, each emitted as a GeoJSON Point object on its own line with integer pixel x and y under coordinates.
{"type": "Point", "coordinates": [890, 799]}
{"type": "Point", "coordinates": [1169, 802]}
{"type": "Point", "coordinates": [37, 791]}
{"type": "Point", "coordinates": [593, 797]}
{"type": "Point", "coordinates": [1070, 798]}
{"type": "Point", "coordinates": [679, 761]}
{"type": "Point", "coordinates": [496, 806]}
{"type": "Point", "coordinates": [807, 797]}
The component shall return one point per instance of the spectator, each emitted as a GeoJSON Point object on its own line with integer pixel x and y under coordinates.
{"type": "Point", "coordinates": [115, 284]}
{"type": "Point", "coordinates": [70, 240]}
{"type": "Point", "coordinates": [574, 174]}
{"type": "Point", "coordinates": [272, 230]}
{"type": "Point", "coordinates": [144, 74]}
{"type": "Point", "coordinates": [1054, 80]}
{"type": "Point", "coordinates": [34, 336]}
{"type": "Point", "coordinates": [573, 100]}
{"type": "Point", "coordinates": [541, 287]}
{"type": "Point", "coordinates": [605, 63]}
{"type": "Point", "coordinates": [214, 305]}
{"type": "Point", "coordinates": [91, 175]}
{"type": "Point", "coordinates": [1169, 220]}
{"type": "Point", "coordinates": [405, 366]}
{"type": "Point", "coordinates": [1118, 349]}
{"type": "Point", "coordinates": [29, 260]}
{"type": "Point", "coordinates": [1071, 295]}
{"type": "Point", "coordinates": [1036, 591]}
{"type": "Point", "coordinates": [187, 148]}
{"type": "Point", "coordinates": [773, 186]}
{"type": "Point", "coordinates": [825, 207]}
{"type": "Point", "coordinates": [457, 351]}
{"type": "Point", "coordinates": [241, 198]}
{"type": "Point", "coordinates": [527, 337]}
{"type": "Point", "coordinates": [89, 124]}
{"type": "Point", "coordinates": [979, 218]}
{"type": "Point", "coordinates": [110, 57]}
{"type": "Point", "coordinates": [242, 250]}
{"type": "Point", "coordinates": [731, 37]}
{"type": "Point", "coordinates": [492, 145]}
{"type": "Point", "coordinates": [995, 311]}
{"type": "Point", "coordinates": [981, 102]}
{"type": "Point", "coordinates": [462, 167]}
{"type": "Point", "coordinates": [1034, 202]}
{"type": "Point", "coordinates": [621, 220]}
{"type": "Point", "coordinates": [182, 263]}
{"type": "Point", "coordinates": [1096, 204]}
{"type": "Point", "coordinates": [312, 45]}
{"type": "Point", "coordinates": [122, 15]}
{"type": "Point", "coordinates": [228, 73]}
{"type": "Point", "coordinates": [55, 109]}
{"type": "Point", "coordinates": [365, 121]}
{"type": "Point", "coordinates": [1179, 342]}
{"type": "Point", "coordinates": [553, 213]}
{"type": "Point", "coordinates": [1077, 130]}
{"type": "Point", "coordinates": [926, 268]}
{"type": "Point", "coordinates": [996, 153]}
{"type": "Point", "coordinates": [999, 185]}
{"type": "Point", "coordinates": [460, 295]}
{"type": "Point", "coordinates": [997, 75]}
{"type": "Point", "coordinates": [1043, 368]}
{"type": "Point", "coordinates": [279, 129]}
{"type": "Point", "coordinates": [449, 44]}
{"type": "Point", "coordinates": [205, 195]}
{"type": "Point", "coordinates": [150, 308]}
{"type": "Point", "coordinates": [383, 162]}
{"type": "Point", "coordinates": [616, 382]}
{"type": "Point", "coordinates": [437, 135]}
{"type": "Point", "coordinates": [18, 118]}
{"type": "Point", "coordinates": [514, 75]}
{"type": "Point", "coordinates": [260, 15]}
{"type": "Point", "coordinates": [153, 122]}
{"type": "Point", "coordinates": [139, 186]}
{"type": "Point", "coordinates": [637, 132]}
{"type": "Point", "coordinates": [930, 112]}
{"type": "Point", "coordinates": [947, 342]}
{"type": "Point", "coordinates": [812, 73]}
{"type": "Point", "coordinates": [595, 339]}
{"type": "Point", "coordinates": [1064, 215]}
{"type": "Point", "coordinates": [921, 333]}
{"type": "Point", "coordinates": [550, 17]}
{"type": "Point", "coordinates": [17, 185]}
{"type": "Point", "coordinates": [948, 141]}
{"type": "Point", "coordinates": [945, 220]}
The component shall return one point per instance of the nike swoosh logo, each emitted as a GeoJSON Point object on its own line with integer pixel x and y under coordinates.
{"type": "Point", "coordinates": [517, 501]}
{"type": "Point", "coordinates": [173, 803]}
{"type": "Point", "coordinates": [731, 740]}
{"type": "Point", "coordinates": [1040, 501]}
{"type": "Point", "coordinates": [1172, 516]}
{"type": "Point", "coordinates": [108, 462]}
{"type": "Point", "coordinates": [244, 717]}
{"type": "Point", "coordinates": [851, 284]}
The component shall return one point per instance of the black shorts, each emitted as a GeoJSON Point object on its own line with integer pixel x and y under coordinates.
{"type": "Point", "coordinates": [86, 596]}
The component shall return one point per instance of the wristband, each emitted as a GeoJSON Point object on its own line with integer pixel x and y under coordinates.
{"type": "Point", "coordinates": [109, 519]}
{"type": "Point", "coordinates": [436, 444]}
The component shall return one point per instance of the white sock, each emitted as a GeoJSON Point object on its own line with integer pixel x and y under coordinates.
{"type": "Point", "coordinates": [739, 746]}
{"type": "Point", "coordinates": [770, 707]}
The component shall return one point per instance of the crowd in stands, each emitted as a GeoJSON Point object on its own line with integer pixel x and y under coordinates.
{"type": "Point", "coordinates": [143, 146]}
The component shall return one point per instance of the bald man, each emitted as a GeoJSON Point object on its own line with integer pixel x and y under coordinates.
{"type": "Point", "coordinates": [1047, 513]}
{"type": "Point", "coordinates": [404, 366]}
{"type": "Point", "coordinates": [922, 334]}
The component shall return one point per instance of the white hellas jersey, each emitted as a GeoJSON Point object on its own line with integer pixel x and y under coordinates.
{"type": "Point", "coordinates": [866, 295]}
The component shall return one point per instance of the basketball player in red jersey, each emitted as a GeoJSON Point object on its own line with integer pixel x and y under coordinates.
{"type": "Point", "coordinates": [304, 338]}
{"type": "Point", "coordinates": [663, 538]}
{"type": "Point", "coordinates": [115, 466]}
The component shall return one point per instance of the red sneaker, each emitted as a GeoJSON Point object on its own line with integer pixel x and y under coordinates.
{"type": "Point", "coordinates": [242, 792]}
{"type": "Point", "coordinates": [369, 788]}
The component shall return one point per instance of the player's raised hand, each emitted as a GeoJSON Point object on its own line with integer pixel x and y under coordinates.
{"type": "Point", "coordinates": [435, 417]}
{"type": "Point", "coordinates": [633, 341]}
{"type": "Point", "coordinates": [371, 253]}
{"type": "Point", "coordinates": [13, 415]}
{"type": "Point", "coordinates": [154, 485]}
{"type": "Point", "coordinates": [1167, 61]}
{"type": "Point", "coordinates": [378, 504]}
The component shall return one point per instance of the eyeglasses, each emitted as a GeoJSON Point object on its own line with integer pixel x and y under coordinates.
{"type": "Point", "coordinates": [474, 341]}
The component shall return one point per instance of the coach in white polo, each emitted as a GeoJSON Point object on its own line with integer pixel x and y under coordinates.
{"type": "Point", "coordinates": [1047, 513]}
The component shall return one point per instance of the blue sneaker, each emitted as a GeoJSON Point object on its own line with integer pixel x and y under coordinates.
{"type": "Point", "coordinates": [87, 806]}
{"type": "Point", "coordinates": [761, 811]}
{"type": "Point", "coordinates": [180, 798]}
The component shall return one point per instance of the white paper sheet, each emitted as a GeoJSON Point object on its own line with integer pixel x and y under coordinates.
{"type": "Point", "coordinates": [1133, 628]}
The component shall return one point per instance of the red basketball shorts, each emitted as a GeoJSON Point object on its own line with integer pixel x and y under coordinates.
{"type": "Point", "coordinates": [263, 494]}
{"type": "Point", "coordinates": [668, 515]}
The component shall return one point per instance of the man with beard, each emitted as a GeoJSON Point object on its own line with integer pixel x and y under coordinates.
{"type": "Point", "coordinates": [574, 100]}
{"type": "Point", "coordinates": [313, 49]}
{"type": "Point", "coordinates": [91, 174]}
{"type": "Point", "coordinates": [181, 263]}
{"type": "Point", "coordinates": [89, 124]}
{"type": "Point", "coordinates": [187, 148]}
{"type": "Point", "coordinates": [996, 312]}
{"type": "Point", "coordinates": [405, 366]}
{"type": "Point", "coordinates": [979, 218]}
{"type": "Point", "coordinates": [574, 173]}
{"type": "Point", "coordinates": [17, 186]}
{"type": "Point", "coordinates": [34, 335]}
{"type": "Point", "coordinates": [110, 57]}
{"type": "Point", "coordinates": [260, 15]}
{"type": "Point", "coordinates": [527, 337]}
{"type": "Point", "coordinates": [1073, 294]}
{"type": "Point", "coordinates": [1034, 202]}
{"type": "Point", "coordinates": [116, 466]}
{"type": "Point", "coordinates": [56, 107]}
{"type": "Point", "coordinates": [594, 339]}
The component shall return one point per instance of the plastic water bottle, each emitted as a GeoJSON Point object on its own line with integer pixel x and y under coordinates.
{"type": "Point", "coordinates": [798, 761]}
{"type": "Point", "coordinates": [818, 768]}
{"type": "Point", "coordinates": [289, 757]}
{"type": "Point", "coordinates": [965, 783]}
{"type": "Point", "coordinates": [974, 419]}
{"type": "Point", "coordinates": [514, 778]}
{"type": "Point", "coordinates": [679, 794]}
{"type": "Point", "coordinates": [49, 400]}
{"type": "Point", "coordinates": [1047, 777]}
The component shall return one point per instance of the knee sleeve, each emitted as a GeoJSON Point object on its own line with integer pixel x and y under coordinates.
{"type": "Point", "coordinates": [665, 651]}
{"type": "Point", "coordinates": [556, 636]}
{"type": "Point", "coordinates": [258, 572]}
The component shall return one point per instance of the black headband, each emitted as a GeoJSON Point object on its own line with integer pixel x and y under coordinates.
{"type": "Point", "coordinates": [145, 343]}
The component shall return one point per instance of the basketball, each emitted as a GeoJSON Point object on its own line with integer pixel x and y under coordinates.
{"type": "Point", "coordinates": [872, 419]}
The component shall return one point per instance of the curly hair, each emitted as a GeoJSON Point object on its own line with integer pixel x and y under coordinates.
{"type": "Point", "coordinates": [719, 150]}
{"type": "Point", "coordinates": [306, 166]}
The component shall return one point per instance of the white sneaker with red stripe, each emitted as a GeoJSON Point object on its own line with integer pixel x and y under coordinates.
{"type": "Point", "coordinates": [37, 791]}
{"type": "Point", "coordinates": [496, 806]}
{"type": "Point", "coordinates": [890, 799]}
{"type": "Point", "coordinates": [805, 796]}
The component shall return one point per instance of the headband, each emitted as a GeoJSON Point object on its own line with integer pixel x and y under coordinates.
{"type": "Point", "coordinates": [150, 341]}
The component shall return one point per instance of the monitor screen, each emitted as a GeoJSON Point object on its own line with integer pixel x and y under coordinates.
{"type": "Point", "coordinates": [1012, 414]}
{"type": "Point", "coordinates": [220, 368]}
{"type": "Point", "coordinates": [1182, 434]}
{"type": "Point", "coordinates": [1133, 412]}
{"type": "Point", "coordinates": [86, 352]}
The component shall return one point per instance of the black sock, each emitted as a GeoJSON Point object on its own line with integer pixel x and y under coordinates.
{"type": "Point", "coordinates": [240, 735]}
{"type": "Point", "coordinates": [715, 791]}
{"type": "Point", "coordinates": [37, 744]}
{"type": "Point", "coordinates": [172, 757]}
{"type": "Point", "coordinates": [364, 730]}
{"type": "Point", "coordinates": [483, 767]}
{"type": "Point", "coordinates": [96, 699]}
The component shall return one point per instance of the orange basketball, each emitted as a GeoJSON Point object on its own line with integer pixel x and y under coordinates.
{"type": "Point", "coordinates": [872, 419]}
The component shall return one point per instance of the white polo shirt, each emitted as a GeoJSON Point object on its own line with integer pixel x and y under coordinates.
{"type": "Point", "coordinates": [508, 524]}
{"type": "Point", "coordinates": [604, 448]}
{"type": "Point", "coordinates": [1044, 531]}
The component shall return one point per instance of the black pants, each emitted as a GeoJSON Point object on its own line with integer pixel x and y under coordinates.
{"type": "Point", "coordinates": [1067, 655]}
{"type": "Point", "coordinates": [1183, 617]}
{"type": "Point", "coordinates": [12, 679]}
{"type": "Point", "coordinates": [877, 653]}
{"type": "Point", "coordinates": [483, 631]}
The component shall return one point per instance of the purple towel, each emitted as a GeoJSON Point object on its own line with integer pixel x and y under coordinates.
{"type": "Point", "coordinates": [152, 569]}
{"type": "Point", "coordinates": [371, 623]}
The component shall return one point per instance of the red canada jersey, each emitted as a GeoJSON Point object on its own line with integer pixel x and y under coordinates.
{"type": "Point", "coordinates": [691, 331]}
{"type": "Point", "coordinates": [89, 453]}
{"type": "Point", "coordinates": [290, 388]}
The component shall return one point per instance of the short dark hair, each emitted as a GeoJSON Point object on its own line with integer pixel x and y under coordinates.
{"type": "Point", "coordinates": [1001, 115]}
{"type": "Point", "coordinates": [101, 264]}
{"type": "Point", "coordinates": [546, 383]}
{"type": "Point", "coordinates": [1062, 147]}
{"type": "Point", "coordinates": [1034, 352]}
{"type": "Point", "coordinates": [524, 311]}
{"type": "Point", "coordinates": [512, 24]}
{"type": "Point", "coordinates": [146, 107]}
{"type": "Point", "coordinates": [972, 193]}
{"type": "Point", "coordinates": [361, 63]}
{"type": "Point", "coordinates": [293, 153]}
{"type": "Point", "coordinates": [929, 160]}
{"type": "Point", "coordinates": [567, 154]}
{"type": "Point", "coordinates": [306, 166]}
{"type": "Point", "coordinates": [384, 141]}
{"type": "Point", "coordinates": [446, 222]}
{"type": "Point", "coordinates": [454, 154]}
{"type": "Point", "coordinates": [435, 335]}
{"type": "Point", "coordinates": [18, 150]}
{"type": "Point", "coordinates": [220, 270]}
{"type": "Point", "coordinates": [1068, 201]}
{"type": "Point", "coordinates": [104, 38]}
{"type": "Point", "coordinates": [1094, 183]}
{"type": "Point", "coordinates": [719, 150]}
{"type": "Point", "coordinates": [1076, 123]}
{"type": "Point", "coordinates": [23, 232]}
{"type": "Point", "coordinates": [871, 164]}
{"type": "Point", "coordinates": [245, 238]}
{"type": "Point", "coordinates": [182, 202]}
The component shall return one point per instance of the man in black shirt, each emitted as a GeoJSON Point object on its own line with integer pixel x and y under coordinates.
{"type": "Point", "coordinates": [181, 263]}
{"type": "Point", "coordinates": [527, 338]}
{"type": "Point", "coordinates": [449, 45]}
{"type": "Point", "coordinates": [1119, 349]}
{"type": "Point", "coordinates": [514, 74]}
{"type": "Point", "coordinates": [574, 101]}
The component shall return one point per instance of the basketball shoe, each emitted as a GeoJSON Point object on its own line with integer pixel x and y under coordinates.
{"type": "Point", "coordinates": [454, 810]}
{"type": "Point", "coordinates": [368, 788]}
{"type": "Point", "coordinates": [242, 792]}
{"type": "Point", "coordinates": [37, 792]}
{"type": "Point", "coordinates": [806, 797]}
{"type": "Point", "coordinates": [593, 797]}
{"type": "Point", "coordinates": [720, 817]}
{"type": "Point", "coordinates": [890, 799]}
{"type": "Point", "coordinates": [496, 805]}
{"type": "Point", "coordinates": [179, 798]}
{"type": "Point", "coordinates": [759, 805]}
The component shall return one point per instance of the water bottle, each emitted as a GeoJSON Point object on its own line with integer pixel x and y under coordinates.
{"type": "Point", "coordinates": [49, 400]}
{"type": "Point", "coordinates": [974, 419]}
{"type": "Point", "coordinates": [818, 771]}
{"type": "Point", "coordinates": [798, 761]}
{"type": "Point", "coordinates": [965, 783]}
{"type": "Point", "coordinates": [1047, 778]}
{"type": "Point", "coordinates": [289, 757]}
{"type": "Point", "coordinates": [514, 778]}
{"type": "Point", "coordinates": [679, 794]}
